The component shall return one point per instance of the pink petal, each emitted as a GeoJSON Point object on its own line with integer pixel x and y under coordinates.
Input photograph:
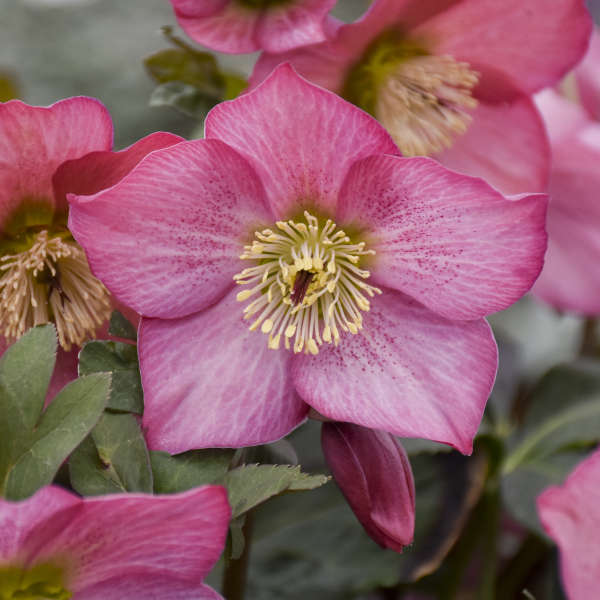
{"type": "Point", "coordinates": [506, 145]}
{"type": "Point", "coordinates": [166, 239]}
{"type": "Point", "coordinates": [300, 138]}
{"type": "Point", "coordinates": [35, 140]}
{"type": "Point", "coordinates": [177, 537]}
{"type": "Point", "coordinates": [409, 372]}
{"type": "Point", "coordinates": [40, 517]}
{"type": "Point", "coordinates": [448, 240]}
{"type": "Point", "coordinates": [374, 474]}
{"type": "Point", "coordinates": [562, 117]}
{"type": "Point", "coordinates": [100, 170]}
{"type": "Point", "coordinates": [228, 27]}
{"type": "Point", "coordinates": [210, 382]}
{"type": "Point", "coordinates": [588, 77]}
{"type": "Point", "coordinates": [197, 8]}
{"type": "Point", "coordinates": [570, 279]}
{"type": "Point", "coordinates": [571, 516]}
{"type": "Point", "coordinates": [526, 39]}
{"type": "Point", "coordinates": [149, 587]}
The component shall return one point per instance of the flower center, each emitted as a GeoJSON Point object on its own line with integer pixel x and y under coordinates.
{"type": "Point", "coordinates": [307, 284]}
{"type": "Point", "coordinates": [50, 281]}
{"type": "Point", "coordinates": [43, 582]}
{"type": "Point", "coordinates": [423, 100]}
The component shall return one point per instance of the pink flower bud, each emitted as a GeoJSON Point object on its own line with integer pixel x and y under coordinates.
{"type": "Point", "coordinates": [374, 474]}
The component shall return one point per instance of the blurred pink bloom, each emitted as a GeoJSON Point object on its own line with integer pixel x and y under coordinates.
{"type": "Point", "coordinates": [570, 514]}
{"type": "Point", "coordinates": [570, 279]}
{"type": "Point", "coordinates": [116, 547]}
{"type": "Point", "coordinates": [453, 78]}
{"type": "Point", "coordinates": [375, 270]}
{"type": "Point", "coordinates": [374, 474]}
{"type": "Point", "coordinates": [44, 275]}
{"type": "Point", "coordinates": [238, 26]}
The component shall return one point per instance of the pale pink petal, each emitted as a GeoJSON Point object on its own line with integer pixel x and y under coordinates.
{"type": "Point", "coordinates": [536, 44]}
{"type": "Point", "coordinates": [100, 170]}
{"type": "Point", "coordinates": [148, 587]}
{"type": "Point", "coordinates": [301, 139]}
{"type": "Point", "coordinates": [588, 77]}
{"type": "Point", "coordinates": [35, 140]}
{"type": "Point", "coordinates": [571, 516]}
{"type": "Point", "coordinates": [198, 8]}
{"type": "Point", "coordinates": [562, 117]}
{"type": "Point", "coordinates": [506, 145]}
{"type": "Point", "coordinates": [409, 372]}
{"type": "Point", "coordinates": [301, 23]}
{"type": "Point", "coordinates": [166, 239]}
{"type": "Point", "coordinates": [448, 240]}
{"type": "Point", "coordinates": [228, 27]}
{"type": "Point", "coordinates": [374, 474]}
{"type": "Point", "coordinates": [41, 516]}
{"type": "Point", "coordinates": [210, 382]}
{"type": "Point", "coordinates": [176, 537]}
{"type": "Point", "coordinates": [570, 279]}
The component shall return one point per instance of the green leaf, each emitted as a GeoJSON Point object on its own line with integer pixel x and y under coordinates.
{"type": "Point", "coordinates": [112, 459]}
{"type": "Point", "coordinates": [120, 327]}
{"type": "Point", "coordinates": [312, 546]}
{"type": "Point", "coordinates": [562, 422]}
{"type": "Point", "coordinates": [66, 422]}
{"type": "Point", "coordinates": [250, 485]}
{"type": "Point", "coordinates": [25, 372]}
{"type": "Point", "coordinates": [190, 80]}
{"type": "Point", "coordinates": [119, 359]}
{"type": "Point", "coordinates": [184, 471]}
{"type": "Point", "coordinates": [184, 97]}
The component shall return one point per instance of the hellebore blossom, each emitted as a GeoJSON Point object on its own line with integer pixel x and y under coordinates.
{"type": "Point", "coordinates": [374, 474]}
{"type": "Point", "coordinates": [127, 546]}
{"type": "Point", "coordinates": [570, 279]}
{"type": "Point", "coordinates": [44, 274]}
{"type": "Point", "coordinates": [292, 258]}
{"type": "Point", "coordinates": [570, 515]}
{"type": "Point", "coordinates": [238, 26]}
{"type": "Point", "coordinates": [452, 78]}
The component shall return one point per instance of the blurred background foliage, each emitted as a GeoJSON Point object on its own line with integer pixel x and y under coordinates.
{"type": "Point", "coordinates": [310, 545]}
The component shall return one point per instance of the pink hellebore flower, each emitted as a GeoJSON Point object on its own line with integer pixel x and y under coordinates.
{"type": "Point", "coordinates": [238, 26]}
{"type": "Point", "coordinates": [570, 515]}
{"type": "Point", "coordinates": [452, 78]}
{"type": "Point", "coordinates": [44, 275]}
{"type": "Point", "coordinates": [374, 474]}
{"type": "Point", "coordinates": [116, 547]}
{"type": "Point", "coordinates": [368, 275]}
{"type": "Point", "coordinates": [571, 279]}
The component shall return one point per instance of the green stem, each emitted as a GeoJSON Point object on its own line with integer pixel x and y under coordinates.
{"type": "Point", "coordinates": [236, 571]}
{"type": "Point", "coordinates": [491, 508]}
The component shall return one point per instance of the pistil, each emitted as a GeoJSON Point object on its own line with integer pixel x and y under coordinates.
{"type": "Point", "coordinates": [307, 284]}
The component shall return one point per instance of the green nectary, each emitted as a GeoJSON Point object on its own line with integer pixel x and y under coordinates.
{"type": "Point", "coordinates": [375, 66]}
{"type": "Point", "coordinates": [42, 582]}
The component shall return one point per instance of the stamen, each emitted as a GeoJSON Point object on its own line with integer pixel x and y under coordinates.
{"type": "Point", "coordinates": [425, 101]}
{"type": "Point", "coordinates": [51, 282]}
{"type": "Point", "coordinates": [307, 283]}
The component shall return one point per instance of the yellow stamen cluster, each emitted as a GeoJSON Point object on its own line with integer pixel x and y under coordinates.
{"type": "Point", "coordinates": [424, 103]}
{"type": "Point", "coordinates": [307, 285]}
{"type": "Point", "coordinates": [51, 282]}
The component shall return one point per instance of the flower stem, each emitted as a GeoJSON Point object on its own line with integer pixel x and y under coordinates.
{"type": "Point", "coordinates": [236, 570]}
